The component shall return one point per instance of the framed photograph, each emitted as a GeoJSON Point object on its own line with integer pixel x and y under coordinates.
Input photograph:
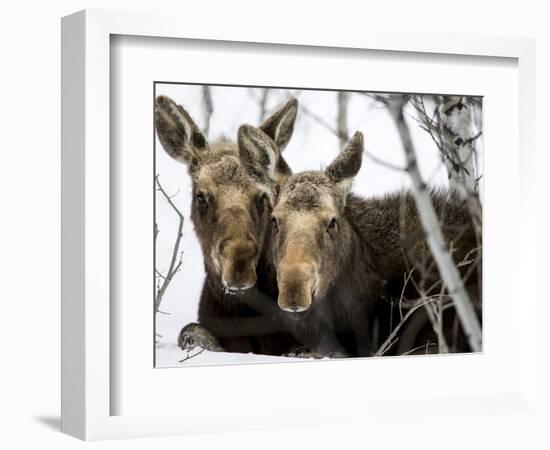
{"type": "Point", "coordinates": [249, 215]}
{"type": "Point", "coordinates": [285, 239]}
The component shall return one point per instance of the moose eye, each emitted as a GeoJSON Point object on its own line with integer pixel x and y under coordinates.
{"type": "Point", "coordinates": [201, 200]}
{"type": "Point", "coordinates": [332, 226]}
{"type": "Point", "coordinates": [274, 224]}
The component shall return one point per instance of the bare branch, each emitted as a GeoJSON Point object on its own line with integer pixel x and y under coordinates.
{"type": "Point", "coordinates": [342, 118]}
{"type": "Point", "coordinates": [168, 197]}
{"type": "Point", "coordinates": [386, 164]}
{"type": "Point", "coordinates": [472, 139]}
{"type": "Point", "coordinates": [189, 356]}
{"type": "Point", "coordinates": [442, 341]}
{"type": "Point", "coordinates": [407, 279]}
{"type": "Point", "coordinates": [380, 98]}
{"type": "Point", "coordinates": [344, 138]}
{"type": "Point", "coordinates": [447, 269]}
{"type": "Point", "coordinates": [450, 128]}
{"type": "Point", "coordinates": [414, 349]}
{"type": "Point", "coordinates": [263, 104]}
{"type": "Point", "coordinates": [320, 121]}
{"type": "Point", "coordinates": [208, 106]}
{"type": "Point", "coordinates": [159, 274]}
{"type": "Point", "coordinates": [391, 339]}
{"type": "Point", "coordinates": [175, 263]}
{"type": "Point", "coordinates": [435, 314]}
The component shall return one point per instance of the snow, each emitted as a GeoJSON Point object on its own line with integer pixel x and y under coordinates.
{"type": "Point", "coordinates": [169, 355]}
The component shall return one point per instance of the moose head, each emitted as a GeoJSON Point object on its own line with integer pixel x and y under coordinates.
{"type": "Point", "coordinates": [234, 186]}
{"type": "Point", "coordinates": [311, 237]}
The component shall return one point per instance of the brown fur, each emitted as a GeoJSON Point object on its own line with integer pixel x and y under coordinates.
{"type": "Point", "coordinates": [338, 255]}
{"type": "Point", "coordinates": [230, 212]}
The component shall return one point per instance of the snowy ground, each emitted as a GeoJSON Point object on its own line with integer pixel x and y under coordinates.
{"type": "Point", "coordinates": [169, 355]}
{"type": "Point", "coordinates": [312, 146]}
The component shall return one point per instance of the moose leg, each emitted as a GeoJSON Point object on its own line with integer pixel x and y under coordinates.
{"type": "Point", "coordinates": [361, 320]}
{"type": "Point", "coordinates": [194, 335]}
{"type": "Point", "coordinates": [330, 344]}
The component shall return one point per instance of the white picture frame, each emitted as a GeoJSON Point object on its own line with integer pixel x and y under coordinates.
{"type": "Point", "coordinates": [87, 384]}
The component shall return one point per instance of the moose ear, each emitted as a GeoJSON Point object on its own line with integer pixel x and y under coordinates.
{"type": "Point", "coordinates": [258, 152]}
{"type": "Point", "coordinates": [179, 135]}
{"type": "Point", "coordinates": [347, 164]}
{"type": "Point", "coordinates": [280, 125]}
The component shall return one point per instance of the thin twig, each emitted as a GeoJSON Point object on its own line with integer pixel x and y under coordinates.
{"type": "Point", "coordinates": [386, 164]}
{"type": "Point", "coordinates": [386, 345]}
{"type": "Point", "coordinates": [412, 350]}
{"type": "Point", "coordinates": [189, 356]}
{"type": "Point", "coordinates": [407, 278]}
{"type": "Point", "coordinates": [473, 138]}
{"type": "Point", "coordinates": [343, 137]}
{"type": "Point", "coordinates": [320, 121]}
{"type": "Point", "coordinates": [160, 274]}
{"type": "Point", "coordinates": [175, 264]}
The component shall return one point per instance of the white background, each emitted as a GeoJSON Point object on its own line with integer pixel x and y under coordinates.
{"type": "Point", "coordinates": [30, 227]}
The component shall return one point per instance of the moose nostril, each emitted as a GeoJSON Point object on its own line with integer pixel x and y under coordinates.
{"type": "Point", "coordinates": [237, 286]}
{"type": "Point", "coordinates": [240, 266]}
{"type": "Point", "coordinates": [251, 244]}
{"type": "Point", "coordinates": [221, 246]}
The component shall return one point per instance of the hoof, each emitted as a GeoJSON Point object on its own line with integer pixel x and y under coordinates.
{"type": "Point", "coordinates": [194, 335]}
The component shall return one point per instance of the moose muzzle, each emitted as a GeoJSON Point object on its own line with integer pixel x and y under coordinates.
{"type": "Point", "coordinates": [296, 286]}
{"type": "Point", "coordinates": [238, 264]}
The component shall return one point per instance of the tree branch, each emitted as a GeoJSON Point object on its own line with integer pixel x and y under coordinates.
{"type": "Point", "coordinates": [434, 236]}
{"type": "Point", "coordinates": [450, 128]}
{"type": "Point", "coordinates": [189, 355]}
{"type": "Point", "coordinates": [175, 263]}
{"type": "Point", "coordinates": [263, 104]}
{"type": "Point", "coordinates": [342, 118]}
{"type": "Point", "coordinates": [343, 137]}
{"type": "Point", "coordinates": [208, 106]}
{"type": "Point", "coordinates": [391, 339]}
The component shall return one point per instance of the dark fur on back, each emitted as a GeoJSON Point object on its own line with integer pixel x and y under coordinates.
{"type": "Point", "coordinates": [391, 226]}
{"type": "Point", "coordinates": [380, 241]}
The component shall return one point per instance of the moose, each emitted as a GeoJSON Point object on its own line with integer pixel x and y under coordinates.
{"type": "Point", "coordinates": [337, 255]}
{"type": "Point", "coordinates": [234, 186]}
{"type": "Point", "coordinates": [297, 260]}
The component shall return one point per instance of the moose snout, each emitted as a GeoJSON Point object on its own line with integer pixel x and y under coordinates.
{"type": "Point", "coordinates": [238, 263]}
{"type": "Point", "coordinates": [296, 288]}
{"type": "Point", "coordinates": [294, 307]}
{"type": "Point", "coordinates": [243, 245]}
